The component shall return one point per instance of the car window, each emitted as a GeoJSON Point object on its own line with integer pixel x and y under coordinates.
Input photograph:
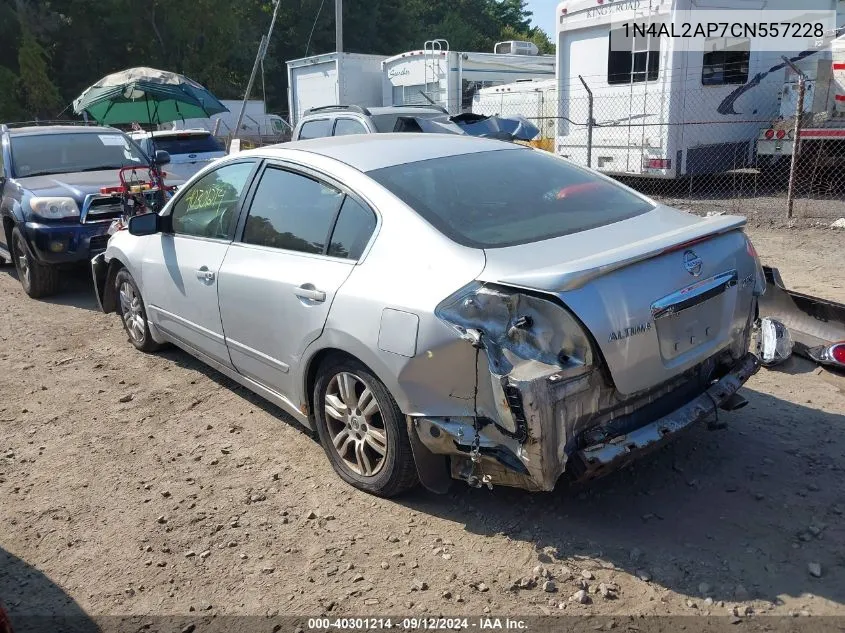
{"type": "Point", "coordinates": [353, 229]}
{"type": "Point", "coordinates": [291, 211]}
{"type": "Point", "coordinates": [62, 153]}
{"type": "Point", "coordinates": [209, 206]}
{"type": "Point", "coordinates": [188, 143]}
{"type": "Point", "coordinates": [315, 129]}
{"type": "Point", "coordinates": [511, 196]}
{"type": "Point", "coordinates": [345, 127]}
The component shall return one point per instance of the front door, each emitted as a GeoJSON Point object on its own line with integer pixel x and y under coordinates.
{"type": "Point", "coordinates": [180, 267]}
{"type": "Point", "coordinates": [301, 239]}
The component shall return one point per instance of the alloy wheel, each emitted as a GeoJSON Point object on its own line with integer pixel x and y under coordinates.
{"type": "Point", "coordinates": [22, 261]}
{"type": "Point", "coordinates": [132, 313]}
{"type": "Point", "coordinates": [354, 421]}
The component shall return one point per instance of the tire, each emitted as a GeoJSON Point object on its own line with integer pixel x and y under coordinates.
{"type": "Point", "coordinates": [360, 433]}
{"type": "Point", "coordinates": [38, 280]}
{"type": "Point", "coordinates": [133, 313]}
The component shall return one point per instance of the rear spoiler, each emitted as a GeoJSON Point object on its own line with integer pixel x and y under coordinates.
{"type": "Point", "coordinates": [577, 273]}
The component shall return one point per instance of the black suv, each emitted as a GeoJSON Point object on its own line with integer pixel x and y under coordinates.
{"type": "Point", "coordinates": [52, 211]}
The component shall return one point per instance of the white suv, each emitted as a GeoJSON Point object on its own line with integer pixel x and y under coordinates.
{"type": "Point", "coordinates": [341, 120]}
{"type": "Point", "coordinates": [190, 150]}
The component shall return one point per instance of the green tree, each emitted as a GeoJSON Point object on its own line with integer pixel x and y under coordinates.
{"type": "Point", "coordinates": [40, 95]}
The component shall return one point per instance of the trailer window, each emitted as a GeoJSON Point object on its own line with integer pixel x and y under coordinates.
{"type": "Point", "coordinates": [725, 61]}
{"type": "Point", "coordinates": [639, 63]}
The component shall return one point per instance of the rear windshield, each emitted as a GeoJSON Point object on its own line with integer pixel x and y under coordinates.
{"type": "Point", "coordinates": [186, 144]}
{"type": "Point", "coordinates": [390, 121]}
{"type": "Point", "coordinates": [508, 197]}
{"type": "Point", "coordinates": [43, 154]}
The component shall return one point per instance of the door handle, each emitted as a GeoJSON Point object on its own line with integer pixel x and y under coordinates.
{"type": "Point", "coordinates": [205, 275]}
{"type": "Point", "coordinates": [307, 291]}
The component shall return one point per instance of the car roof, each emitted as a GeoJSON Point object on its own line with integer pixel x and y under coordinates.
{"type": "Point", "coordinates": [367, 152]}
{"type": "Point", "coordinates": [32, 130]}
{"type": "Point", "coordinates": [158, 133]}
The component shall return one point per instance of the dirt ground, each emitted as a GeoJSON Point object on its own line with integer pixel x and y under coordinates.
{"type": "Point", "coordinates": [150, 484]}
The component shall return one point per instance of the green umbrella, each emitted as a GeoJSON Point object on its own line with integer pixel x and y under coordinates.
{"type": "Point", "coordinates": [146, 95]}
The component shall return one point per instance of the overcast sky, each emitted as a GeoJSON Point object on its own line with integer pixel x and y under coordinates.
{"type": "Point", "coordinates": [544, 15]}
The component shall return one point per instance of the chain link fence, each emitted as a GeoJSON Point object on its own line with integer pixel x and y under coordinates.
{"type": "Point", "coordinates": [693, 149]}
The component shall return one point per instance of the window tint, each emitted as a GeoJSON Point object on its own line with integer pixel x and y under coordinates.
{"type": "Point", "coordinates": [725, 62]}
{"type": "Point", "coordinates": [209, 207]}
{"type": "Point", "coordinates": [510, 196]}
{"type": "Point", "coordinates": [187, 144]}
{"type": "Point", "coordinates": [345, 127]}
{"type": "Point", "coordinates": [315, 129]}
{"type": "Point", "coordinates": [291, 211]}
{"type": "Point", "coordinates": [355, 225]}
{"type": "Point", "coordinates": [638, 61]}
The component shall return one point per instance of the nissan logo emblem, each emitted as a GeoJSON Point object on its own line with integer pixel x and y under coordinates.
{"type": "Point", "coordinates": [692, 263]}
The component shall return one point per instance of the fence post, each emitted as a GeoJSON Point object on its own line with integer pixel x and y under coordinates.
{"type": "Point", "coordinates": [796, 136]}
{"type": "Point", "coordinates": [589, 123]}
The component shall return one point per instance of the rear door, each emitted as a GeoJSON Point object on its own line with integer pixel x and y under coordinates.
{"type": "Point", "coordinates": [299, 241]}
{"type": "Point", "coordinates": [180, 267]}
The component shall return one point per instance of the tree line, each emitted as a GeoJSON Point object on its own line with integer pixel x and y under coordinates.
{"type": "Point", "coordinates": [51, 50]}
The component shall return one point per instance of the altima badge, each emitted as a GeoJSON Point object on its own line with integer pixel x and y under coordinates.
{"type": "Point", "coordinates": [692, 263]}
{"type": "Point", "coordinates": [628, 332]}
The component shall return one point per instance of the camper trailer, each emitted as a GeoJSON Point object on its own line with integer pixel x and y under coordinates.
{"type": "Point", "coordinates": [438, 76]}
{"type": "Point", "coordinates": [333, 79]}
{"type": "Point", "coordinates": [663, 107]}
{"type": "Point", "coordinates": [534, 99]}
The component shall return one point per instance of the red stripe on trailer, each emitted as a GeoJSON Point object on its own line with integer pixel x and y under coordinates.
{"type": "Point", "coordinates": [839, 97]}
{"type": "Point", "coordinates": [818, 133]}
{"type": "Point", "coordinates": [839, 66]}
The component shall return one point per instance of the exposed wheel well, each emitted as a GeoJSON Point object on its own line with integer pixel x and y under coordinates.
{"type": "Point", "coordinates": [109, 298]}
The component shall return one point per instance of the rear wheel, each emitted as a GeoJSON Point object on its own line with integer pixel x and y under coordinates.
{"type": "Point", "coordinates": [362, 429]}
{"type": "Point", "coordinates": [38, 280]}
{"type": "Point", "coordinates": [133, 314]}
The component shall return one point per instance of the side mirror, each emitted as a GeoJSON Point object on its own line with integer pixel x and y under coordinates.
{"type": "Point", "coordinates": [144, 224]}
{"type": "Point", "coordinates": [161, 158]}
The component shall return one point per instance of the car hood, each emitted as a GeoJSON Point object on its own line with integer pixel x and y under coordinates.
{"type": "Point", "coordinates": [72, 185]}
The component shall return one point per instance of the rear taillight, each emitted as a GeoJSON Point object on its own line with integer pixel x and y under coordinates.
{"type": "Point", "coordinates": [780, 134]}
{"type": "Point", "coordinates": [837, 353]}
{"type": "Point", "coordinates": [770, 134]}
{"type": "Point", "coordinates": [657, 163]}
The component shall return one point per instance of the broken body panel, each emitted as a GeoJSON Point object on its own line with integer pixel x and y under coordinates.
{"type": "Point", "coordinates": [583, 366]}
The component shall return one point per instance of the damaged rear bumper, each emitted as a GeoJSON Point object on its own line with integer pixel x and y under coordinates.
{"type": "Point", "coordinates": [532, 465]}
{"type": "Point", "coordinates": [602, 458]}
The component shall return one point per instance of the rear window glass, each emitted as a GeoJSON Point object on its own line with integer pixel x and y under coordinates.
{"type": "Point", "coordinates": [507, 197]}
{"type": "Point", "coordinates": [188, 144]}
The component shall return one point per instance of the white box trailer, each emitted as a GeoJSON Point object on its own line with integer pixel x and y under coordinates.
{"type": "Point", "coordinates": [534, 99]}
{"type": "Point", "coordinates": [333, 79]}
{"type": "Point", "coordinates": [450, 79]}
{"type": "Point", "coordinates": [667, 107]}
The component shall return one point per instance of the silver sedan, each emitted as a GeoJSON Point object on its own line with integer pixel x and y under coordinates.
{"type": "Point", "coordinates": [443, 307]}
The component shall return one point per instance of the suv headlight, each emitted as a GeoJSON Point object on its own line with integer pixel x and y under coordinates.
{"type": "Point", "coordinates": [54, 208]}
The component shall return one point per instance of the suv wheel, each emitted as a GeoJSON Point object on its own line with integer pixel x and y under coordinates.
{"type": "Point", "coordinates": [362, 429]}
{"type": "Point", "coordinates": [133, 314]}
{"type": "Point", "coordinates": [37, 279]}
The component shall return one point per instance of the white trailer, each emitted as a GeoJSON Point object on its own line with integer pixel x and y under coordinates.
{"type": "Point", "coordinates": [257, 124]}
{"type": "Point", "coordinates": [667, 107]}
{"type": "Point", "coordinates": [822, 130]}
{"type": "Point", "coordinates": [333, 79]}
{"type": "Point", "coordinates": [534, 99]}
{"type": "Point", "coordinates": [450, 79]}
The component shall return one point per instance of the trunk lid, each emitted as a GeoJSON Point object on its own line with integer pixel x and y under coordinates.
{"type": "Point", "coordinates": [660, 293]}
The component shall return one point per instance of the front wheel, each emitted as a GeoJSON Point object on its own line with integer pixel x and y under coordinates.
{"type": "Point", "coordinates": [362, 429]}
{"type": "Point", "coordinates": [38, 280]}
{"type": "Point", "coordinates": [133, 314]}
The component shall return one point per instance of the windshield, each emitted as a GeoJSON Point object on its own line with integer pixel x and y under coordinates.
{"type": "Point", "coordinates": [185, 144]}
{"type": "Point", "coordinates": [508, 197]}
{"type": "Point", "coordinates": [43, 154]}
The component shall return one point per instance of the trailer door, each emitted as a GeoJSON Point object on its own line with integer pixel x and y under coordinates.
{"type": "Point", "coordinates": [314, 86]}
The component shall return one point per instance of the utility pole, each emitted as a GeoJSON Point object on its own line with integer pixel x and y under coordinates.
{"type": "Point", "coordinates": [262, 51]}
{"type": "Point", "coordinates": [338, 25]}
